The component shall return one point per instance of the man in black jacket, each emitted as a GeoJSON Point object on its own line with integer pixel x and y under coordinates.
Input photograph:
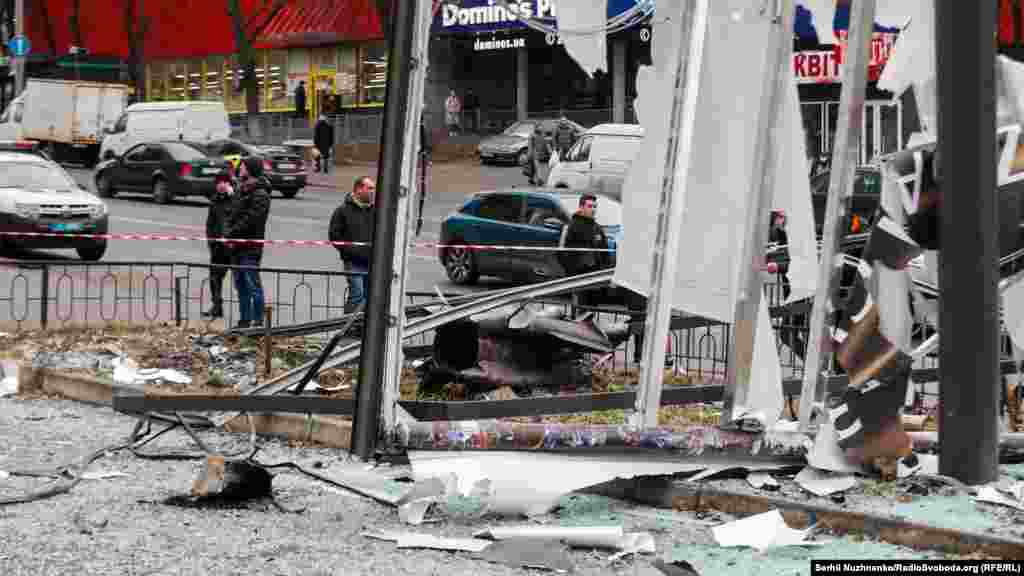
{"type": "Point", "coordinates": [584, 232]}
{"type": "Point", "coordinates": [300, 100]}
{"type": "Point", "coordinates": [220, 254]}
{"type": "Point", "coordinates": [247, 220]}
{"type": "Point", "coordinates": [353, 221]}
{"type": "Point", "coordinates": [323, 139]}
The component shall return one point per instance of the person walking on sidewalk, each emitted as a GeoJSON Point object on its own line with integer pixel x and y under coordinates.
{"type": "Point", "coordinates": [564, 137]}
{"type": "Point", "coordinates": [353, 221]}
{"type": "Point", "coordinates": [540, 156]}
{"type": "Point", "coordinates": [323, 139]}
{"type": "Point", "coordinates": [220, 253]}
{"type": "Point", "coordinates": [247, 220]}
{"type": "Point", "coordinates": [453, 113]}
{"type": "Point", "coordinates": [300, 100]}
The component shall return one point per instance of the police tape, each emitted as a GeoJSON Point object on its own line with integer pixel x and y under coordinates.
{"type": "Point", "coordinates": [232, 241]}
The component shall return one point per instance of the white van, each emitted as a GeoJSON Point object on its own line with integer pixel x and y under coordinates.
{"type": "Point", "coordinates": [194, 121]}
{"type": "Point", "coordinates": [599, 160]}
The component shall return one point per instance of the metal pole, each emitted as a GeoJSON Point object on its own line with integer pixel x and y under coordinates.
{"type": "Point", "coordinates": [968, 272]}
{"type": "Point", "coordinates": [19, 61]}
{"type": "Point", "coordinates": [366, 420]}
{"type": "Point", "coordinates": [762, 188]}
{"type": "Point", "coordinates": [693, 23]}
{"type": "Point", "coordinates": [845, 153]}
{"type": "Point", "coordinates": [411, 145]}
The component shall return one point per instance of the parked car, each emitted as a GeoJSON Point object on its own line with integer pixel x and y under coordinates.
{"type": "Point", "coordinates": [164, 169]}
{"type": "Point", "coordinates": [192, 121]}
{"type": "Point", "coordinates": [599, 160]}
{"type": "Point", "coordinates": [516, 217]}
{"type": "Point", "coordinates": [513, 145]}
{"type": "Point", "coordinates": [37, 195]}
{"type": "Point", "coordinates": [284, 168]}
{"type": "Point", "coordinates": [24, 147]}
{"type": "Point", "coordinates": [867, 190]}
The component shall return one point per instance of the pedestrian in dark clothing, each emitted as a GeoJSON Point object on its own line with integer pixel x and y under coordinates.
{"type": "Point", "coordinates": [471, 105]}
{"type": "Point", "coordinates": [220, 253]}
{"type": "Point", "coordinates": [792, 324]}
{"type": "Point", "coordinates": [540, 154]}
{"type": "Point", "coordinates": [564, 138]}
{"type": "Point", "coordinates": [300, 100]}
{"type": "Point", "coordinates": [247, 220]}
{"type": "Point", "coordinates": [353, 221]}
{"type": "Point", "coordinates": [583, 231]}
{"type": "Point", "coordinates": [323, 139]}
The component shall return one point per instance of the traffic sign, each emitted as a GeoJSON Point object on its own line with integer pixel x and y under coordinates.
{"type": "Point", "coordinates": [19, 46]}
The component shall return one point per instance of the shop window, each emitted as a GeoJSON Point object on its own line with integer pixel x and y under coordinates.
{"type": "Point", "coordinates": [194, 71]}
{"type": "Point", "coordinates": [261, 78]}
{"type": "Point", "coordinates": [235, 100]}
{"type": "Point", "coordinates": [277, 66]}
{"type": "Point", "coordinates": [347, 79]}
{"type": "Point", "coordinates": [215, 78]}
{"type": "Point", "coordinates": [176, 72]}
{"type": "Point", "coordinates": [373, 73]}
{"type": "Point", "coordinates": [157, 81]}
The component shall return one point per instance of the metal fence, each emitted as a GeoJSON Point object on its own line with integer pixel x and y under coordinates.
{"type": "Point", "coordinates": [273, 128]}
{"type": "Point", "coordinates": [55, 294]}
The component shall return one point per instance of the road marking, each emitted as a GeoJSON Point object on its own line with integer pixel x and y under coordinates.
{"type": "Point", "coordinates": [156, 223]}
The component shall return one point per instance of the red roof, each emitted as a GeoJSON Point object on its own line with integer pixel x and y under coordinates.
{"type": "Point", "coordinates": [315, 22]}
{"type": "Point", "coordinates": [195, 28]}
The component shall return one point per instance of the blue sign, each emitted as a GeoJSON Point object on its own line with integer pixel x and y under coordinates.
{"type": "Point", "coordinates": [19, 46]}
{"type": "Point", "coordinates": [484, 16]}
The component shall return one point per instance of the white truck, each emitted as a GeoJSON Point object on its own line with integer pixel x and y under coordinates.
{"type": "Point", "coordinates": [68, 118]}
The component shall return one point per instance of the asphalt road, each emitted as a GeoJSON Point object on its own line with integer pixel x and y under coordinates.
{"type": "Point", "coordinates": [305, 217]}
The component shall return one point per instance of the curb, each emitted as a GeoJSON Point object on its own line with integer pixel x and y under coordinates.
{"type": "Point", "coordinates": [327, 431]}
{"type": "Point", "coordinates": [668, 493]}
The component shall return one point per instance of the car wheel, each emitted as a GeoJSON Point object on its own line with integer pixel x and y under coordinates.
{"type": "Point", "coordinates": [92, 252]}
{"type": "Point", "coordinates": [523, 158]}
{"type": "Point", "coordinates": [103, 186]}
{"type": "Point", "coordinates": [460, 265]}
{"type": "Point", "coordinates": [290, 193]}
{"type": "Point", "coordinates": [161, 192]}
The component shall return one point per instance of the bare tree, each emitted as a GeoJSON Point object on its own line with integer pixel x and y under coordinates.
{"type": "Point", "coordinates": [246, 31]}
{"type": "Point", "coordinates": [136, 26]}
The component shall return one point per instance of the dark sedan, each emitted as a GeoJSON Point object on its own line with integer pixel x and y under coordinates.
{"type": "Point", "coordinates": [527, 217]}
{"type": "Point", "coordinates": [284, 168]}
{"type": "Point", "coordinates": [164, 169]}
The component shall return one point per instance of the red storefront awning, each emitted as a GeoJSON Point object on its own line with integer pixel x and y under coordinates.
{"type": "Point", "coordinates": [317, 22]}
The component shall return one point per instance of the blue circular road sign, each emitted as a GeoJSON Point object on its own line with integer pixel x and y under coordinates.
{"type": "Point", "coordinates": [19, 46]}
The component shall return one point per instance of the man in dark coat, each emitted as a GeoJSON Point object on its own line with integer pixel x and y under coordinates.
{"type": "Point", "coordinates": [583, 231]}
{"type": "Point", "coordinates": [353, 221]}
{"type": "Point", "coordinates": [323, 139]}
{"type": "Point", "coordinates": [300, 100]}
{"type": "Point", "coordinates": [247, 220]}
{"type": "Point", "coordinates": [564, 137]}
{"type": "Point", "coordinates": [220, 253]}
{"type": "Point", "coordinates": [540, 155]}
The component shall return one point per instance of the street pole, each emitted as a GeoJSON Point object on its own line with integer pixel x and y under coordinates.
{"type": "Point", "coordinates": [366, 419]}
{"type": "Point", "coordinates": [762, 187]}
{"type": "Point", "coordinates": [845, 155]}
{"type": "Point", "coordinates": [19, 61]}
{"type": "Point", "coordinates": [968, 271]}
{"type": "Point", "coordinates": [693, 23]}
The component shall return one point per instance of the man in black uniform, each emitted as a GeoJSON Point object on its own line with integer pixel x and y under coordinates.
{"type": "Point", "coordinates": [220, 253]}
{"type": "Point", "coordinates": [583, 231]}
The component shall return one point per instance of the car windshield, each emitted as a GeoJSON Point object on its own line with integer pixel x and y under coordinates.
{"type": "Point", "coordinates": [520, 129]}
{"type": "Point", "coordinates": [34, 177]}
{"type": "Point", "coordinates": [609, 212]}
{"type": "Point", "coordinates": [184, 152]}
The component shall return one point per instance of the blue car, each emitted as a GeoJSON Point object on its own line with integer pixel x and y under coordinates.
{"type": "Point", "coordinates": [517, 217]}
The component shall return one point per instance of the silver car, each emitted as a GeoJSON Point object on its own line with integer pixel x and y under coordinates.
{"type": "Point", "coordinates": [513, 145]}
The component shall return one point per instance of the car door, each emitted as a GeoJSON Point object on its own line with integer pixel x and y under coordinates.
{"type": "Point", "coordinates": [542, 227]}
{"type": "Point", "coordinates": [574, 171]}
{"type": "Point", "coordinates": [130, 170]}
{"type": "Point", "coordinates": [610, 159]}
{"type": "Point", "coordinates": [493, 224]}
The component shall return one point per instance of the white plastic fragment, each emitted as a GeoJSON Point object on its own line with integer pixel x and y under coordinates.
{"type": "Point", "coordinates": [760, 480]}
{"type": "Point", "coordinates": [4, 475]}
{"type": "Point", "coordinates": [991, 495]}
{"type": "Point", "coordinates": [822, 483]}
{"type": "Point", "coordinates": [8, 378]}
{"type": "Point", "coordinates": [414, 540]}
{"type": "Point", "coordinates": [761, 532]}
{"type": "Point", "coordinates": [104, 475]}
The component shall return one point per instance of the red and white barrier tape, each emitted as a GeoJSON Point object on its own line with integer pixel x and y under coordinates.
{"type": "Point", "coordinates": [167, 237]}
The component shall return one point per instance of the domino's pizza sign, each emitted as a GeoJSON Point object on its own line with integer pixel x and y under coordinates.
{"type": "Point", "coordinates": [484, 16]}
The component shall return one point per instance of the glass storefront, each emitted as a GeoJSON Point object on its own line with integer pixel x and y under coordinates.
{"type": "Point", "coordinates": [351, 75]}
